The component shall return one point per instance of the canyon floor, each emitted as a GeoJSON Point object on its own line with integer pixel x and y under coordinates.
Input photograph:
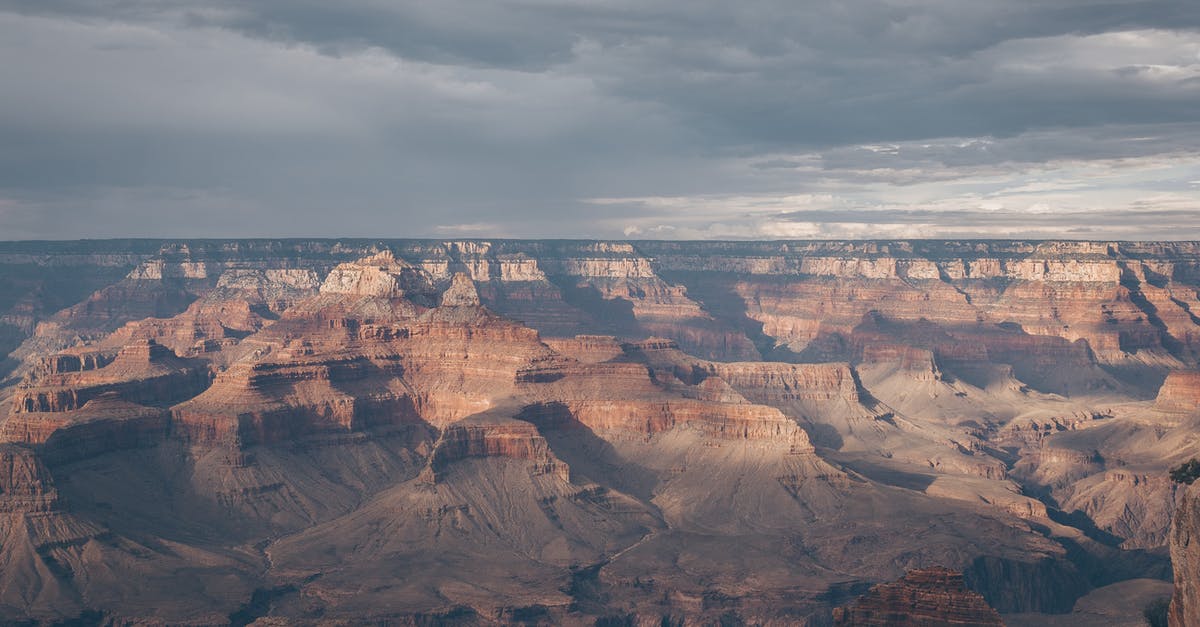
{"type": "Point", "coordinates": [580, 432]}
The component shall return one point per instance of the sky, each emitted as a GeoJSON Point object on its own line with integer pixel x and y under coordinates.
{"type": "Point", "coordinates": [658, 119]}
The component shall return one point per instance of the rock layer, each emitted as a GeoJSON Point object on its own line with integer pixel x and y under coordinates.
{"type": "Point", "coordinates": [927, 597]}
{"type": "Point", "coordinates": [1180, 392]}
{"type": "Point", "coordinates": [582, 432]}
{"type": "Point", "coordinates": [1185, 559]}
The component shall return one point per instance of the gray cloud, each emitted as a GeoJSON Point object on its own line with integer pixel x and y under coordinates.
{"type": "Point", "coordinates": [512, 117]}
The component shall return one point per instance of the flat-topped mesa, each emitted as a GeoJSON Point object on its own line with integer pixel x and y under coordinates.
{"type": "Point", "coordinates": [381, 275]}
{"type": "Point", "coordinates": [587, 348]}
{"type": "Point", "coordinates": [931, 596]}
{"type": "Point", "coordinates": [650, 344]}
{"type": "Point", "coordinates": [798, 390]}
{"type": "Point", "coordinates": [772, 382]}
{"type": "Point", "coordinates": [566, 379]}
{"type": "Point", "coordinates": [25, 483]}
{"type": "Point", "coordinates": [485, 436]}
{"type": "Point", "coordinates": [759, 424]}
{"type": "Point", "coordinates": [290, 395]}
{"type": "Point", "coordinates": [859, 266]}
{"type": "Point", "coordinates": [1180, 392]}
{"type": "Point", "coordinates": [143, 372]}
{"type": "Point", "coordinates": [65, 362]}
{"type": "Point", "coordinates": [460, 361]}
{"type": "Point", "coordinates": [142, 353]}
{"type": "Point", "coordinates": [919, 361]}
{"type": "Point", "coordinates": [102, 425]}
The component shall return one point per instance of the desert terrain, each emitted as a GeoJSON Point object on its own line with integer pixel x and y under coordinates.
{"type": "Point", "coordinates": [589, 432]}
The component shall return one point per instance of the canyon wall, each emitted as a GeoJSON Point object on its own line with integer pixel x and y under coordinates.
{"type": "Point", "coordinates": [578, 431]}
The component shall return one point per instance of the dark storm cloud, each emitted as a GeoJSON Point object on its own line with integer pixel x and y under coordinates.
{"type": "Point", "coordinates": [513, 117]}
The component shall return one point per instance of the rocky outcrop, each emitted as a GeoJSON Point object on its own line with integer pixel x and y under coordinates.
{"type": "Point", "coordinates": [1135, 506]}
{"type": "Point", "coordinates": [771, 383]}
{"type": "Point", "coordinates": [587, 348]}
{"type": "Point", "coordinates": [927, 597]}
{"type": "Point", "coordinates": [363, 362]}
{"type": "Point", "coordinates": [271, 401]}
{"type": "Point", "coordinates": [25, 483]}
{"type": "Point", "coordinates": [461, 293]}
{"type": "Point", "coordinates": [494, 436]}
{"type": "Point", "coordinates": [143, 372]}
{"type": "Point", "coordinates": [1180, 392]}
{"type": "Point", "coordinates": [918, 361]}
{"type": "Point", "coordinates": [729, 421]}
{"type": "Point", "coordinates": [1185, 559]}
{"type": "Point", "coordinates": [632, 398]}
{"type": "Point", "coordinates": [380, 275]}
{"type": "Point", "coordinates": [102, 425]}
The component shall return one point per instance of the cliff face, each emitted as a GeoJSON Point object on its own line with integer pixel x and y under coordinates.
{"type": "Point", "coordinates": [143, 372]}
{"type": "Point", "coordinates": [102, 425]}
{"type": "Point", "coordinates": [1185, 558]}
{"type": "Point", "coordinates": [931, 596]}
{"type": "Point", "coordinates": [25, 483]}
{"type": "Point", "coordinates": [1130, 298]}
{"type": "Point", "coordinates": [1180, 392]}
{"type": "Point", "coordinates": [568, 431]}
{"type": "Point", "coordinates": [494, 437]}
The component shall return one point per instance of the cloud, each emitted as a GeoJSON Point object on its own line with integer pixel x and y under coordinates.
{"type": "Point", "coordinates": [429, 119]}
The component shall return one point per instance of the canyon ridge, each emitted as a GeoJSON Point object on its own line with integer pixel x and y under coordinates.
{"type": "Point", "coordinates": [597, 432]}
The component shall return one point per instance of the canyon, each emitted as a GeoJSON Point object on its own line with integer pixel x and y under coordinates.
{"type": "Point", "coordinates": [591, 432]}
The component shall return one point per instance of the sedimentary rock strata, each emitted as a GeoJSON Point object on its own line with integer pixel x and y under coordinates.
{"type": "Point", "coordinates": [573, 432]}
{"type": "Point", "coordinates": [142, 372]}
{"type": "Point", "coordinates": [931, 596]}
{"type": "Point", "coordinates": [1180, 392]}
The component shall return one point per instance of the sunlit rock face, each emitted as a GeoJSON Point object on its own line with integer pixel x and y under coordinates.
{"type": "Point", "coordinates": [576, 432]}
{"type": "Point", "coordinates": [1180, 392]}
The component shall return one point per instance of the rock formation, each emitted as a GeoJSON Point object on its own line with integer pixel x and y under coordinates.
{"type": "Point", "coordinates": [927, 597]}
{"type": "Point", "coordinates": [104, 424]}
{"type": "Point", "coordinates": [1185, 558]}
{"type": "Point", "coordinates": [461, 293]}
{"type": "Point", "coordinates": [1180, 392]}
{"type": "Point", "coordinates": [25, 484]}
{"type": "Point", "coordinates": [142, 371]}
{"type": "Point", "coordinates": [494, 436]}
{"type": "Point", "coordinates": [581, 432]}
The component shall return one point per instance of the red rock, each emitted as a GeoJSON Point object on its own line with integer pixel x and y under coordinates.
{"type": "Point", "coordinates": [928, 597]}
{"type": "Point", "coordinates": [1180, 392]}
{"type": "Point", "coordinates": [364, 361]}
{"type": "Point", "coordinates": [587, 348]}
{"type": "Point", "coordinates": [769, 382]}
{"type": "Point", "coordinates": [25, 483]}
{"type": "Point", "coordinates": [143, 372]}
{"type": "Point", "coordinates": [102, 425]}
{"type": "Point", "coordinates": [494, 436]}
